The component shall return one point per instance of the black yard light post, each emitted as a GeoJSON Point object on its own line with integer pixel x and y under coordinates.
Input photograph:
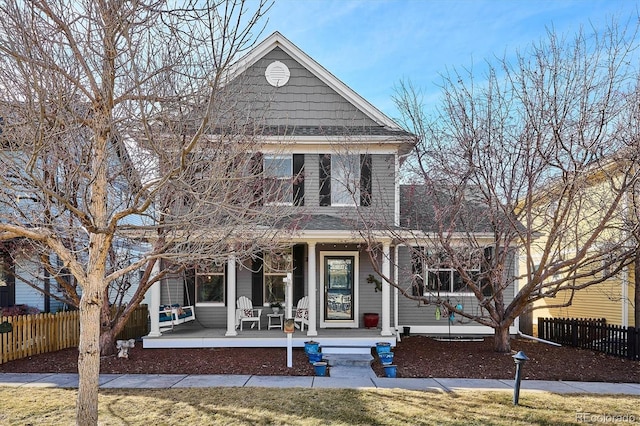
{"type": "Point", "coordinates": [520, 358]}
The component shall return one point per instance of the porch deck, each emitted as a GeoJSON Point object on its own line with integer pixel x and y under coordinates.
{"type": "Point", "coordinates": [194, 335]}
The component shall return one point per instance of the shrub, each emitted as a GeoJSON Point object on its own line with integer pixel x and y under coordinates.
{"type": "Point", "coordinates": [16, 310]}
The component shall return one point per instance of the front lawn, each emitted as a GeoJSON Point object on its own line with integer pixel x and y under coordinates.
{"type": "Point", "coordinates": [259, 406]}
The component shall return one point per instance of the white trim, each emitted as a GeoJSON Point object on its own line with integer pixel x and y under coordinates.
{"type": "Point", "coordinates": [386, 291]}
{"type": "Point", "coordinates": [396, 215]}
{"type": "Point", "coordinates": [154, 305]}
{"type": "Point", "coordinates": [278, 40]}
{"type": "Point", "coordinates": [456, 330]}
{"type": "Point", "coordinates": [396, 292]}
{"type": "Point", "coordinates": [312, 285]}
{"type": "Point", "coordinates": [231, 295]}
{"type": "Point", "coordinates": [356, 291]}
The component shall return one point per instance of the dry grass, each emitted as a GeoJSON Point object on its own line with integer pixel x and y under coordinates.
{"type": "Point", "coordinates": [253, 406]}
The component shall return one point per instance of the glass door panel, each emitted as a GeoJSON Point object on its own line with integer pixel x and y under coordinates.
{"type": "Point", "coordinates": [338, 287]}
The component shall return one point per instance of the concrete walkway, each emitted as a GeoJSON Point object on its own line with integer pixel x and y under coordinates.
{"type": "Point", "coordinates": [166, 381]}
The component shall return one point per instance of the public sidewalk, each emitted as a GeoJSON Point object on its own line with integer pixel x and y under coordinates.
{"type": "Point", "coordinates": [166, 381]}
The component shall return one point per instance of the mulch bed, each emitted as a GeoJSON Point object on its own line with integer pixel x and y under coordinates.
{"type": "Point", "coordinates": [415, 356]}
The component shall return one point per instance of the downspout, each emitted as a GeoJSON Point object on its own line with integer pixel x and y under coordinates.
{"type": "Point", "coordinates": [625, 271]}
{"type": "Point", "coordinates": [537, 339]}
{"type": "Point", "coordinates": [625, 296]}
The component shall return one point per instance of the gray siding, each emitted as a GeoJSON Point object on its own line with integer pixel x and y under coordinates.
{"type": "Point", "coordinates": [382, 206]}
{"type": "Point", "coordinates": [304, 100]}
{"type": "Point", "coordinates": [412, 313]}
{"type": "Point", "coordinates": [173, 291]}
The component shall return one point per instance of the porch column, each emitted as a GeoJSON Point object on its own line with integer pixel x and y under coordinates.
{"type": "Point", "coordinates": [231, 296]}
{"type": "Point", "coordinates": [311, 279]}
{"type": "Point", "coordinates": [154, 303]}
{"type": "Point", "coordinates": [386, 291]}
{"type": "Point", "coordinates": [396, 293]}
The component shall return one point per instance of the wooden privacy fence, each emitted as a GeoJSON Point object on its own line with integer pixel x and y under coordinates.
{"type": "Point", "coordinates": [594, 334]}
{"type": "Point", "coordinates": [36, 334]}
{"type": "Point", "coordinates": [41, 333]}
{"type": "Point", "coordinates": [137, 324]}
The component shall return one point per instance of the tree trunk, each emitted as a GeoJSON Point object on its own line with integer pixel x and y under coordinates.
{"type": "Point", "coordinates": [89, 356]}
{"type": "Point", "coordinates": [108, 342]}
{"type": "Point", "coordinates": [501, 340]}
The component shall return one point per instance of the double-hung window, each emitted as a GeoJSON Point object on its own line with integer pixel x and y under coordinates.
{"type": "Point", "coordinates": [278, 173]}
{"type": "Point", "coordinates": [439, 276]}
{"type": "Point", "coordinates": [283, 179]}
{"type": "Point", "coordinates": [210, 285]}
{"type": "Point", "coordinates": [277, 265]}
{"type": "Point", "coordinates": [345, 179]}
{"type": "Point", "coordinates": [448, 280]}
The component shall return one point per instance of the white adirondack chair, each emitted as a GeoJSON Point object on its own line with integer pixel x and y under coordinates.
{"type": "Point", "coordinates": [245, 312]}
{"type": "Point", "coordinates": [301, 316]}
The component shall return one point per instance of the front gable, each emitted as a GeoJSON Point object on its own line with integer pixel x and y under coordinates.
{"type": "Point", "coordinates": [312, 102]}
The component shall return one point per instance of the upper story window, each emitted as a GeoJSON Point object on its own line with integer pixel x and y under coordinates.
{"type": "Point", "coordinates": [278, 182]}
{"type": "Point", "coordinates": [276, 267]}
{"type": "Point", "coordinates": [283, 179]}
{"type": "Point", "coordinates": [210, 284]}
{"type": "Point", "coordinates": [345, 179]}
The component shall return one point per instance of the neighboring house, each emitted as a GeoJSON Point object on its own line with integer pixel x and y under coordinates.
{"type": "Point", "coordinates": [349, 155]}
{"type": "Point", "coordinates": [612, 298]}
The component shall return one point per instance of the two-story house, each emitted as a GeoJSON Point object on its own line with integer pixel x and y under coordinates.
{"type": "Point", "coordinates": [338, 159]}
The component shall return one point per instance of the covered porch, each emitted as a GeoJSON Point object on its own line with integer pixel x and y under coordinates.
{"type": "Point", "coordinates": [326, 312]}
{"type": "Point", "coordinates": [194, 335]}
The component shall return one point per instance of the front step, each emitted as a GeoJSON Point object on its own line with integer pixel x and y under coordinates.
{"type": "Point", "coordinates": [348, 360]}
{"type": "Point", "coordinates": [346, 350]}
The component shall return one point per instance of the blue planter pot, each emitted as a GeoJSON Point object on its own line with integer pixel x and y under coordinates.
{"type": "Point", "coordinates": [390, 370]}
{"type": "Point", "coordinates": [311, 347]}
{"type": "Point", "coordinates": [386, 357]}
{"type": "Point", "coordinates": [383, 347]}
{"type": "Point", "coordinates": [315, 357]}
{"type": "Point", "coordinates": [320, 368]}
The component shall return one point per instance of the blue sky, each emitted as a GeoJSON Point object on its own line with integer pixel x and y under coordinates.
{"type": "Point", "coordinates": [373, 44]}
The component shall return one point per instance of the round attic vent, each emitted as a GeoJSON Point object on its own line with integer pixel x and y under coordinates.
{"type": "Point", "coordinates": [277, 74]}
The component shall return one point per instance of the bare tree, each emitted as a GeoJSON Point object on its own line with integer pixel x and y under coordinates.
{"type": "Point", "coordinates": [124, 147]}
{"type": "Point", "coordinates": [520, 179]}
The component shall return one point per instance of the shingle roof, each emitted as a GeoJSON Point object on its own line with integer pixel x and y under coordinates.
{"type": "Point", "coordinates": [426, 210]}
{"type": "Point", "coordinates": [332, 131]}
{"type": "Point", "coordinates": [320, 222]}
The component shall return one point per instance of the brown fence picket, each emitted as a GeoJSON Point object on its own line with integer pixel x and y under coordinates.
{"type": "Point", "coordinates": [41, 333]}
{"type": "Point", "coordinates": [594, 334]}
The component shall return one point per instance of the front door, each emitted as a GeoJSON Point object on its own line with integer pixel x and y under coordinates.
{"type": "Point", "coordinates": [339, 298]}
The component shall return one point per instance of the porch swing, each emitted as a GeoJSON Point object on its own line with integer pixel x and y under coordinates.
{"type": "Point", "coordinates": [174, 314]}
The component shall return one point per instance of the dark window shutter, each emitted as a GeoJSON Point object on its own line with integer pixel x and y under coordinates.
{"type": "Point", "coordinates": [257, 281]}
{"type": "Point", "coordinates": [298, 273]}
{"type": "Point", "coordinates": [485, 269]}
{"type": "Point", "coordinates": [325, 179]}
{"type": "Point", "coordinates": [190, 287]}
{"type": "Point", "coordinates": [365, 180]}
{"type": "Point", "coordinates": [417, 286]}
{"type": "Point", "coordinates": [298, 179]}
{"type": "Point", "coordinates": [257, 169]}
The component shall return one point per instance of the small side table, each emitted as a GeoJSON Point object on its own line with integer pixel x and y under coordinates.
{"type": "Point", "coordinates": [272, 324]}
